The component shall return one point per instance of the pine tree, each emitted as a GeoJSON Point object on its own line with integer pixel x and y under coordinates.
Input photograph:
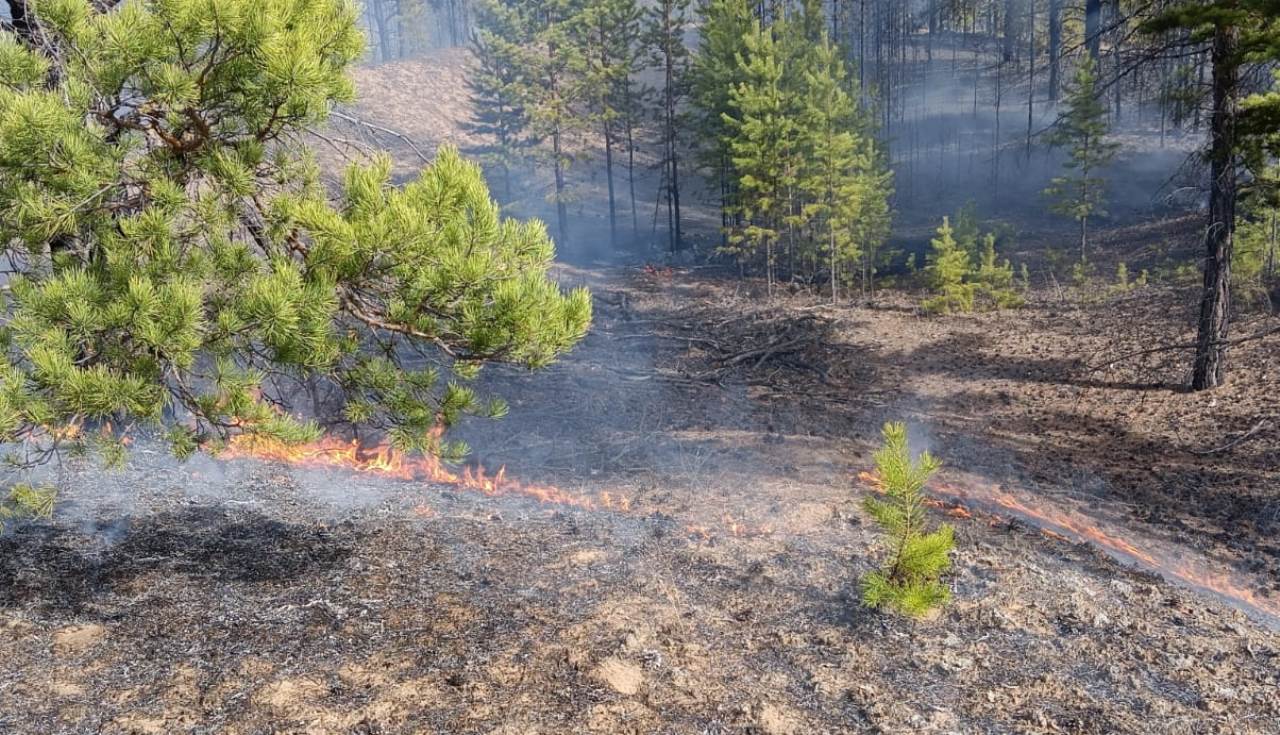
{"type": "Point", "coordinates": [1080, 193]}
{"type": "Point", "coordinates": [994, 278]}
{"type": "Point", "coordinates": [538, 39]}
{"type": "Point", "coordinates": [607, 31]}
{"type": "Point", "coordinates": [910, 581]}
{"type": "Point", "coordinates": [764, 149]}
{"type": "Point", "coordinates": [1237, 32]}
{"type": "Point", "coordinates": [948, 270]}
{"type": "Point", "coordinates": [714, 74]}
{"type": "Point", "coordinates": [846, 192]}
{"type": "Point", "coordinates": [182, 262]}
{"type": "Point", "coordinates": [496, 87]}
{"type": "Point", "coordinates": [667, 23]}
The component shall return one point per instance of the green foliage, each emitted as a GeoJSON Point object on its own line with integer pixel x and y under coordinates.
{"type": "Point", "coordinates": [842, 176]}
{"type": "Point", "coordinates": [910, 580]}
{"type": "Point", "coordinates": [764, 149]}
{"type": "Point", "coordinates": [26, 501]}
{"type": "Point", "coordinates": [714, 74]}
{"type": "Point", "coordinates": [809, 184]}
{"type": "Point", "coordinates": [994, 279]}
{"type": "Point", "coordinates": [182, 265]}
{"type": "Point", "coordinates": [1082, 273]}
{"type": "Point", "coordinates": [947, 274]}
{"type": "Point", "coordinates": [965, 273]}
{"type": "Point", "coordinates": [1080, 193]}
{"type": "Point", "coordinates": [1255, 259]}
{"type": "Point", "coordinates": [496, 86]}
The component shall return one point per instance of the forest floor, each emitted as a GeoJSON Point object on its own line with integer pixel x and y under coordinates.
{"type": "Point", "coordinates": [721, 595]}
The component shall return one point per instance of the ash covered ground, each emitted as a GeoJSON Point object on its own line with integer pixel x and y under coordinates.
{"type": "Point", "coordinates": [247, 597]}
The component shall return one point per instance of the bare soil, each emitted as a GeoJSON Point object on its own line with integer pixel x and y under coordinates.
{"type": "Point", "coordinates": [245, 598]}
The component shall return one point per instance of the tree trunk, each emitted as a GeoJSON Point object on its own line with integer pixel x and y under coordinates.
{"type": "Point", "coordinates": [1010, 32]}
{"type": "Point", "coordinates": [669, 131]}
{"type": "Point", "coordinates": [608, 173]}
{"type": "Point", "coordinates": [631, 169]}
{"type": "Point", "coordinates": [1209, 370]}
{"type": "Point", "coordinates": [1093, 27]}
{"type": "Point", "coordinates": [1055, 47]}
{"type": "Point", "coordinates": [562, 212]}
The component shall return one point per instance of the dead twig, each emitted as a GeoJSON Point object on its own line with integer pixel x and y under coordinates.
{"type": "Point", "coordinates": [380, 129]}
{"type": "Point", "coordinates": [1184, 346]}
{"type": "Point", "coordinates": [1261, 424]}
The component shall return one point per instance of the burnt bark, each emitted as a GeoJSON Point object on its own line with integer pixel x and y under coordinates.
{"type": "Point", "coordinates": [1093, 27]}
{"type": "Point", "coordinates": [1209, 370]}
{"type": "Point", "coordinates": [1055, 47]}
{"type": "Point", "coordinates": [1009, 33]}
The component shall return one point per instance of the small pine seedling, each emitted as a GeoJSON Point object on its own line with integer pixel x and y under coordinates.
{"type": "Point", "coordinates": [909, 582]}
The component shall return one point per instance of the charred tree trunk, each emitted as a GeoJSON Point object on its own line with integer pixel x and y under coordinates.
{"type": "Point", "coordinates": [557, 148]}
{"type": "Point", "coordinates": [1055, 47]}
{"type": "Point", "coordinates": [1093, 27]}
{"type": "Point", "coordinates": [1009, 32]}
{"type": "Point", "coordinates": [1209, 370]}
{"type": "Point", "coordinates": [672, 161]}
{"type": "Point", "coordinates": [608, 173]}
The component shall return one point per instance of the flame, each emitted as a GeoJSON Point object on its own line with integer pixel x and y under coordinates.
{"type": "Point", "coordinates": [1073, 527]}
{"type": "Point", "coordinates": [334, 453]}
{"type": "Point", "coordinates": [337, 454]}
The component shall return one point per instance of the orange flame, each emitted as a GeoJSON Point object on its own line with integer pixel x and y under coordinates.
{"type": "Point", "coordinates": [332, 453]}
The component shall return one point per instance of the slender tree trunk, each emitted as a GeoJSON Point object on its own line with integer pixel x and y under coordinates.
{"type": "Point", "coordinates": [1084, 239]}
{"type": "Point", "coordinates": [1055, 47]}
{"type": "Point", "coordinates": [608, 173]}
{"type": "Point", "coordinates": [631, 161]}
{"type": "Point", "coordinates": [607, 124]}
{"type": "Point", "coordinates": [1031, 73]}
{"type": "Point", "coordinates": [1010, 32]}
{"type": "Point", "coordinates": [669, 131]}
{"type": "Point", "coordinates": [1209, 370]}
{"type": "Point", "coordinates": [562, 212]}
{"type": "Point", "coordinates": [557, 148]}
{"type": "Point", "coordinates": [1093, 27]}
{"type": "Point", "coordinates": [631, 181]}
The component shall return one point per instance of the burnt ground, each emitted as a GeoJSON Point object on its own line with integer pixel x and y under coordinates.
{"type": "Point", "coordinates": [250, 598]}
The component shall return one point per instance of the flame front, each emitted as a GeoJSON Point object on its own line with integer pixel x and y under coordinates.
{"type": "Point", "coordinates": [333, 453]}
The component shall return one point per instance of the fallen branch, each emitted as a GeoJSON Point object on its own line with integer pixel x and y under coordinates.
{"type": "Point", "coordinates": [1184, 346]}
{"type": "Point", "coordinates": [378, 128]}
{"type": "Point", "coordinates": [1259, 426]}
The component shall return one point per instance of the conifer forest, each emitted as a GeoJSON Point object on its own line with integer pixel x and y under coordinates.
{"type": "Point", "coordinates": [617, 367]}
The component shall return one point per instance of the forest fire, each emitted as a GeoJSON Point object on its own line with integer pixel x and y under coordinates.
{"type": "Point", "coordinates": [382, 459]}
{"type": "Point", "coordinates": [1073, 527]}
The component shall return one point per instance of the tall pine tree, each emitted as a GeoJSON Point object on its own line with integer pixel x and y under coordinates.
{"type": "Point", "coordinates": [845, 187]}
{"type": "Point", "coordinates": [763, 152]}
{"type": "Point", "coordinates": [1080, 193]}
{"type": "Point", "coordinates": [715, 73]}
{"type": "Point", "coordinates": [607, 31]}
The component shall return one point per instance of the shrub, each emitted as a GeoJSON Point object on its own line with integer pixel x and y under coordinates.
{"type": "Point", "coordinates": [994, 280]}
{"type": "Point", "coordinates": [909, 582]}
{"type": "Point", "coordinates": [957, 284]}
{"type": "Point", "coordinates": [949, 266]}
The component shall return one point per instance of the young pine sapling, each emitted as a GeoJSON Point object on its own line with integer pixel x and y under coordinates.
{"type": "Point", "coordinates": [910, 580]}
